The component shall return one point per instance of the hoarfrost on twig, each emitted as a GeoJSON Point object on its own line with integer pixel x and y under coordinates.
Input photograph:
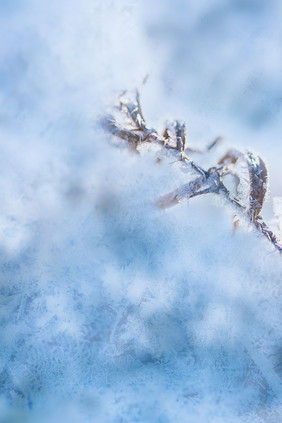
{"type": "Point", "coordinates": [174, 142]}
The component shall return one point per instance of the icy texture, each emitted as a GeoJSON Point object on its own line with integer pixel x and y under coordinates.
{"type": "Point", "coordinates": [111, 310]}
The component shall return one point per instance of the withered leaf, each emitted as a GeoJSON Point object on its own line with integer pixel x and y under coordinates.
{"type": "Point", "coordinates": [230, 157]}
{"type": "Point", "coordinates": [258, 183]}
{"type": "Point", "coordinates": [109, 124]}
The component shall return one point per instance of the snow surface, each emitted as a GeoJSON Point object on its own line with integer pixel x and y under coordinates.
{"type": "Point", "coordinates": [111, 310]}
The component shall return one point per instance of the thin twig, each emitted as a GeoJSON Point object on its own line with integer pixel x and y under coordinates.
{"type": "Point", "coordinates": [174, 143]}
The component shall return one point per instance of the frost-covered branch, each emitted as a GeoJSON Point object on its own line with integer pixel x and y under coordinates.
{"type": "Point", "coordinates": [173, 142]}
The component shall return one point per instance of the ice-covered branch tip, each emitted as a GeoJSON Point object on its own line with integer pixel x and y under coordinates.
{"type": "Point", "coordinates": [173, 141]}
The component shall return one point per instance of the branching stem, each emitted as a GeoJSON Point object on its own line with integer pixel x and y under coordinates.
{"type": "Point", "coordinates": [174, 143]}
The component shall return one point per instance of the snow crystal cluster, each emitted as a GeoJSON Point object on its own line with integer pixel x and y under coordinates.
{"type": "Point", "coordinates": [112, 310]}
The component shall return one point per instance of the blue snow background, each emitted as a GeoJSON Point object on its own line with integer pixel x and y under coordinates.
{"type": "Point", "coordinates": [111, 310]}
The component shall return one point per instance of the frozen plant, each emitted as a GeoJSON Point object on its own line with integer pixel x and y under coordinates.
{"type": "Point", "coordinates": [133, 129]}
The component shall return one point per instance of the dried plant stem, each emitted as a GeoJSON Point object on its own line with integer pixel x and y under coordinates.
{"type": "Point", "coordinates": [173, 143]}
